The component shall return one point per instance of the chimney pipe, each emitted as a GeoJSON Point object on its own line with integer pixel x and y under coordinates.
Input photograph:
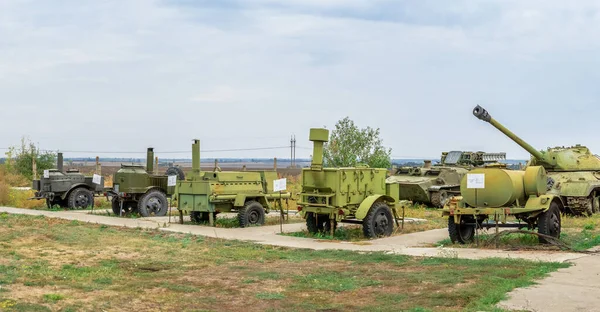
{"type": "Point", "coordinates": [318, 136]}
{"type": "Point", "coordinates": [196, 156]}
{"type": "Point", "coordinates": [59, 162]}
{"type": "Point", "coordinates": [150, 160]}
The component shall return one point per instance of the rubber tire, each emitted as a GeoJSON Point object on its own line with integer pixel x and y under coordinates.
{"type": "Point", "coordinates": [463, 234]}
{"type": "Point", "coordinates": [145, 201]}
{"type": "Point", "coordinates": [323, 225]}
{"type": "Point", "coordinates": [251, 214]}
{"type": "Point", "coordinates": [373, 224]}
{"type": "Point", "coordinates": [439, 199]}
{"type": "Point", "coordinates": [75, 197]}
{"type": "Point", "coordinates": [176, 171]}
{"type": "Point", "coordinates": [128, 206]}
{"type": "Point", "coordinates": [549, 223]}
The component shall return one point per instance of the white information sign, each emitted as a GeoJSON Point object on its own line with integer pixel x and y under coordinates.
{"type": "Point", "coordinates": [172, 180]}
{"type": "Point", "coordinates": [475, 180]}
{"type": "Point", "coordinates": [97, 179]}
{"type": "Point", "coordinates": [46, 174]}
{"type": "Point", "coordinates": [279, 185]}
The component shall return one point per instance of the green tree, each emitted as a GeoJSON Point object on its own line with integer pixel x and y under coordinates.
{"type": "Point", "coordinates": [19, 160]}
{"type": "Point", "coordinates": [349, 146]}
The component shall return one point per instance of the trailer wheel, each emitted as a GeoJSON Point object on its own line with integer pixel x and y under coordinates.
{"type": "Point", "coordinates": [461, 233]}
{"type": "Point", "coordinates": [80, 198]}
{"type": "Point", "coordinates": [252, 213]}
{"type": "Point", "coordinates": [128, 206]}
{"type": "Point", "coordinates": [379, 222]}
{"type": "Point", "coordinates": [319, 223]}
{"type": "Point", "coordinates": [439, 199]}
{"type": "Point", "coordinates": [549, 223]}
{"type": "Point", "coordinates": [153, 203]}
{"type": "Point", "coordinates": [176, 171]}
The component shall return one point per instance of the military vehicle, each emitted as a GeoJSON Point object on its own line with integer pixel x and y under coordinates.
{"type": "Point", "coordinates": [494, 194]}
{"type": "Point", "coordinates": [573, 172]}
{"type": "Point", "coordinates": [136, 188]}
{"type": "Point", "coordinates": [70, 189]}
{"type": "Point", "coordinates": [434, 185]}
{"type": "Point", "coordinates": [357, 195]}
{"type": "Point", "coordinates": [205, 194]}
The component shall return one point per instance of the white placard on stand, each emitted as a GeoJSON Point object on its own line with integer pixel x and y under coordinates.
{"type": "Point", "coordinates": [475, 180]}
{"type": "Point", "coordinates": [172, 180]}
{"type": "Point", "coordinates": [97, 179]}
{"type": "Point", "coordinates": [46, 174]}
{"type": "Point", "coordinates": [279, 185]}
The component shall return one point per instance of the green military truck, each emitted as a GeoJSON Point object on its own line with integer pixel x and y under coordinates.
{"type": "Point", "coordinates": [250, 194]}
{"type": "Point", "coordinates": [357, 195]}
{"type": "Point", "coordinates": [136, 188]}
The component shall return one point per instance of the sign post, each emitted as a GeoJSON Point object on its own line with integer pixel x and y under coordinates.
{"type": "Point", "coordinates": [280, 185]}
{"type": "Point", "coordinates": [171, 181]}
{"type": "Point", "coordinates": [476, 181]}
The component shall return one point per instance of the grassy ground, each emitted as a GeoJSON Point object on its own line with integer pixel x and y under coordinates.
{"type": "Point", "coordinates": [50, 265]}
{"type": "Point", "coordinates": [579, 233]}
{"type": "Point", "coordinates": [354, 233]}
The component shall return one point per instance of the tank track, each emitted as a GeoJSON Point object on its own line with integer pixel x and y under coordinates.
{"type": "Point", "coordinates": [579, 205]}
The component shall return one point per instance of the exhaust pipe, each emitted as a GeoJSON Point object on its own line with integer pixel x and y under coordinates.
{"type": "Point", "coordinates": [427, 164]}
{"type": "Point", "coordinates": [150, 160]}
{"type": "Point", "coordinates": [59, 162]}
{"type": "Point", "coordinates": [196, 156]}
{"type": "Point", "coordinates": [318, 136]}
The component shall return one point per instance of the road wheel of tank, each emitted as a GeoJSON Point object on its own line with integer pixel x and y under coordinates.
{"type": "Point", "coordinates": [596, 204]}
{"type": "Point", "coordinates": [81, 198]}
{"type": "Point", "coordinates": [549, 223]}
{"type": "Point", "coordinates": [439, 199]}
{"type": "Point", "coordinates": [379, 221]}
{"type": "Point", "coordinates": [176, 171]}
{"type": "Point", "coordinates": [319, 223]}
{"type": "Point", "coordinates": [252, 213]}
{"type": "Point", "coordinates": [128, 206]}
{"type": "Point", "coordinates": [153, 204]}
{"type": "Point", "coordinates": [462, 232]}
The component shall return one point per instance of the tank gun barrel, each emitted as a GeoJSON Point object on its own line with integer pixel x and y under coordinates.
{"type": "Point", "coordinates": [483, 114]}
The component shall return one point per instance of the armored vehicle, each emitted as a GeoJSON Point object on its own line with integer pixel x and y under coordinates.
{"type": "Point", "coordinates": [434, 185]}
{"type": "Point", "coordinates": [136, 188]}
{"type": "Point", "coordinates": [494, 193]}
{"type": "Point", "coordinates": [573, 172]}
{"type": "Point", "coordinates": [354, 195]}
{"type": "Point", "coordinates": [205, 194]}
{"type": "Point", "coordinates": [69, 189]}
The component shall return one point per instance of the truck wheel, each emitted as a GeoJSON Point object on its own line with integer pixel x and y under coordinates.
{"type": "Point", "coordinates": [319, 223]}
{"type": "Point", "coordinates": [154, 203]}
{"type": "Point", "coordinates": [379, 222]}
{"type": "Point", "coordinates": [439, 199]}
{"type": "Point", "coordinates": [251, 214]}
{"type": "Point", "coordinates": [128, 206]}
{"type": "Point", "coordinates": [80, 198]}
{"type": "Point", "coordinates": [461, 232]}
{"type": "Point", "coordinates": [176, 171]}
{"type": "Point", "coordinates": [549, 223]}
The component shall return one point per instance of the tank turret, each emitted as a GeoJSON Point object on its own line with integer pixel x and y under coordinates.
{"type": "Point", "coordinates": [575, 158]}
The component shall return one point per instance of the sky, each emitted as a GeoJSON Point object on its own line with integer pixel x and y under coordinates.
{"type": "Point", "coordinates": [117, 76]}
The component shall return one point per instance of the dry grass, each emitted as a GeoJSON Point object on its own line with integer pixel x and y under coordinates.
{"type": "Point", "coordinates": [50, 264]}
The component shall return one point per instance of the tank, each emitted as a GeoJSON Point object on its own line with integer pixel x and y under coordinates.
{"type": "Point", "coordinates": [573, 172]}
{"type": "Point", "coordinates": [139, 189]}
{"type": "Point", "coordinates": [250, 193]}
{"type": "Point", "coordinates": [70, 189]}
{"type": "Point", "coordinates": [434, 184]}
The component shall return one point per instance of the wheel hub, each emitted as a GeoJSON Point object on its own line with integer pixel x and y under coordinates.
{"type": "Point", "coordinates": [253, 217]}
{"type": "Point", "coordinates": [381, 224]}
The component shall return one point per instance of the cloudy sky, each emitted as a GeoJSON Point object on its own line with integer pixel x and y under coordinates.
{"type": "Point", "coordinates": [121, 75]}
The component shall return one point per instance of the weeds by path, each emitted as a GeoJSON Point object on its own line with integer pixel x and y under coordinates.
{"type": "Point", "coordinates": [51, 264]}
